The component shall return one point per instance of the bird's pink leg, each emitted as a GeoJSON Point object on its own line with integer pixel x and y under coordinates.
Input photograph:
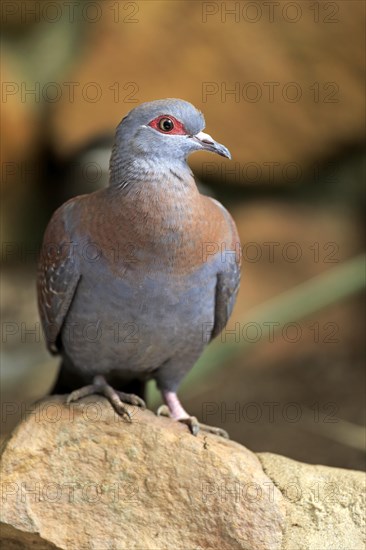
{"type": "Point", "coordinates": [174, 405]}
{"type": "Point", "coordinates": [174, 410]}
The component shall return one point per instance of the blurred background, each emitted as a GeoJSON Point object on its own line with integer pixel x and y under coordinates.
{"type": "Point", "coordinates": [281, 84]}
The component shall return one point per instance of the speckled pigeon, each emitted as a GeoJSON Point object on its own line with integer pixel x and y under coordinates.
{"type": "Point", "coordinates": [136, 278]}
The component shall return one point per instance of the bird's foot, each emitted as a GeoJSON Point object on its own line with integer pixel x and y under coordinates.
{"type": "Point", "coordinates": [116, 398]}
{"type": "Point", "coordinates": [196, 427]}
{"type": "Point", "coordinates": [193, 424]}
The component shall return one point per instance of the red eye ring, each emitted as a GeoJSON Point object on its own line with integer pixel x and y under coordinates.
{"type": "Point", "coordinates": [167, 124]}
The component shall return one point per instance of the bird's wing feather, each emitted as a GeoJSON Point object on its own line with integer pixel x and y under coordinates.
{"type": "Point", "coordinates": [228, 278]}
{"type": "Point", "coordinates": [58, 275]}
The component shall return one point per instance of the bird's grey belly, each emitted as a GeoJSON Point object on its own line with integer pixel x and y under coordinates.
{"type": "Point", "coordinates": [130, 328]}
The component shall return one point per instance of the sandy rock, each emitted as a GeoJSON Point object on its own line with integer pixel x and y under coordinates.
{"type": "Point", "coordinates": [81, 477]}
{"type": "Point", "coordinates": [325, 506]}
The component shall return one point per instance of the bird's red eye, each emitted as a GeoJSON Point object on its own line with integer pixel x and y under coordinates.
{"type": "Point", "coordinates": [166, 124]}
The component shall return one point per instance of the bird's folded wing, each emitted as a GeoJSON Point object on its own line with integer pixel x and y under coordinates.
{"type": "Point", "coordinates": [58, 275]}
{"type": "Point", "coordinates": [228, 278]}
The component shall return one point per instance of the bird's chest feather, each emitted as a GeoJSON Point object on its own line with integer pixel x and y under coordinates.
{"type": "Point", "coordinates": [150, 257]}
{"type": "Point", "coordinates": [151, 237]}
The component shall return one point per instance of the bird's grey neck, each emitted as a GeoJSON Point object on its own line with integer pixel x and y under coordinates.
{"type": "Point", "coordinates": [163, 195]}
{"type": "Point", "coordinates": [128, 174]}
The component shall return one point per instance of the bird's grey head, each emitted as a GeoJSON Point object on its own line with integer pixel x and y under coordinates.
{"type": "Point", "coordinates": [162, 131]}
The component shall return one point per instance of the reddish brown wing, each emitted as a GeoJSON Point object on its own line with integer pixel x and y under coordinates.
{"type": "Point", "coordinates": [58, 275]}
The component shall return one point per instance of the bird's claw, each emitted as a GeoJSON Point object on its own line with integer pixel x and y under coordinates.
{"type": "Point", "coordinates": [132, 399]}
{"type": "Point", "coordinates": [194, 426]}
{"type": "Point", "coordinates": [116, 398]}
{"type": "Point", "coordinates": [192, 423]}
{"type": "Point", "coordinates": [163, 411]}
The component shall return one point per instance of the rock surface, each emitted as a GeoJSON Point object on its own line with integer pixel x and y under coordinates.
{"type": "Point", "coordinates": [80, 477]}
{"type": "Point", "coordinates": [325, 506]}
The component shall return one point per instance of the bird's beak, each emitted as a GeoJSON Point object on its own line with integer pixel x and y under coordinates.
{"type": "Point", "coordinates": [209, 144]}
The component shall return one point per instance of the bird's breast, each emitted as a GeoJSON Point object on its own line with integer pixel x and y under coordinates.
{"type": "Point", "coordinates": [143, 236]}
